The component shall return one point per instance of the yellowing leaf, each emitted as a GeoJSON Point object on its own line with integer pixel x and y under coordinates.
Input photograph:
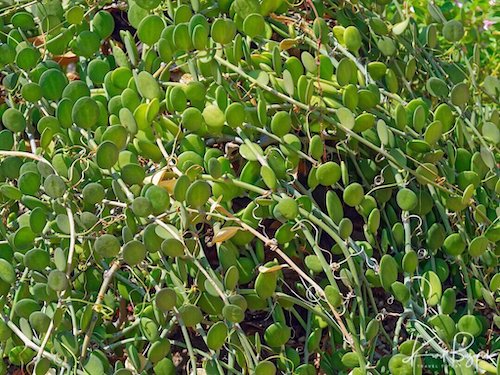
{"type": "Point", "coordinates": [168, 184]}
{"type": "Point", "coordinates": [225, 234]}
{"type": "Point", "coordinates": [276, 268]}
{"type": "Point", "coordinates": [400, 27]}
{"type": "Point", "coordinates": [287, 44]}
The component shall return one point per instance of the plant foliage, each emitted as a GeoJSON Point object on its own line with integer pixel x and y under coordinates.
{"type": "Point", "coordinates": [266, 187]}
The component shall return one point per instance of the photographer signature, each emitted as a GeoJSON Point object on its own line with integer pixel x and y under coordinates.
{"type": "Point", "coordinates": [457, 356]}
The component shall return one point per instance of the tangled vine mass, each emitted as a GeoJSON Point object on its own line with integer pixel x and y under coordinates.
{"type": "Point", "coordinates": [249, 187]}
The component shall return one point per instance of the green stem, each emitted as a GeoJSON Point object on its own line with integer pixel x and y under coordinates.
{"type": "Point", "coordinates": [187, 340]}
{"type": "Point", "coordinates": [468, 286]}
